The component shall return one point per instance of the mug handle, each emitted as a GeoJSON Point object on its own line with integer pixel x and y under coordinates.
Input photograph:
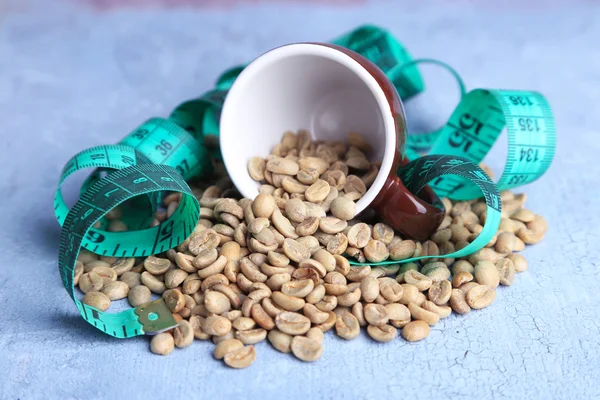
{"type": "Point", "coordinates": [416, 217]}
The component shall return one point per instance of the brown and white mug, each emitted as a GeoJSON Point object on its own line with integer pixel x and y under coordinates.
{"type": "Point", "coordinates": [329, 91]}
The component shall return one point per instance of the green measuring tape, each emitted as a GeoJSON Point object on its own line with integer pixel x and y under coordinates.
{"type": "Point", "coordinates": [99, 199]}
{"type": "Point", "coordinates": [161, 154]}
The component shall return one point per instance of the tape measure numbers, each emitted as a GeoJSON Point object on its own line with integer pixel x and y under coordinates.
{"type": "Point", "coordinates": [476, 124]}
{"type": "Point", "coordinates": [108, 157]}
{"type": "Point", "coordinates": [165, 142]}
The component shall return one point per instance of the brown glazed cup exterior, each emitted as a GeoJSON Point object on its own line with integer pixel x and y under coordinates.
{"type": "Point", "coordinates": [413, 216]}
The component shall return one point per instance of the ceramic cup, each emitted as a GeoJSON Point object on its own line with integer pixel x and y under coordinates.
{"type": "Point", "coordinates": [329, 91]}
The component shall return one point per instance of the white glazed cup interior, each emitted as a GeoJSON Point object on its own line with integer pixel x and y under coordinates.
{"type": "Point", "coordinates": [304, 86]}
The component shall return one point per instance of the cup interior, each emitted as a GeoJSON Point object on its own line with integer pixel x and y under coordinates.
{"type": "Point", "coordinates": [304, 86]}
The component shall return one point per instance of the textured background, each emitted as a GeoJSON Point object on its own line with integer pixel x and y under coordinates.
{"type": "Point", "coordinates": [77, 73]}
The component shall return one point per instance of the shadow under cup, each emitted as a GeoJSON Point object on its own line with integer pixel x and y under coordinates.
{"type": "Point", "coordinates": [329, 91]}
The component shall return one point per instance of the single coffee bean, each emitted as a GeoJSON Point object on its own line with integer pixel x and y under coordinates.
{"type": "Point", "coordinates": [175, 277]}
{"type": "Point", "coordinates": [376, 251]}
{"type": "Point", "coordinates": [316, 295]}
{"type": "Point", "coordinates": [174, 299]}
{"type": "Point", "coordinates": [123, 265]}
{"type": "Point", "coordinates": [420, 281]}
{"type": "Point", "coordinates": [357, 274]}
{"type": "Point", "coordinates": [316, 334]}
{"type": "Point", "coordinates": [106, 273]}
{"type": "Point", "coordinates": [405, 268]}
{"type": "Point", "coordinates": [338, 244]}
{"type": "Point", "coordinates": [347, 326]}
{"type": "Point", "coordinates": [308, 227]}
{"type": "Point", "coordinates": [277, 259]}
{"type": "Point", "coordinates": [280, 341]}
{"type": "Point", "coordinates": [480, 297]}
{"type": "Point", "coordinates": [240, 358]}
{"type": "Point", "coordinates": [298, 288]}
{"type": "Point", "coordinates": [216, 302]}
{"type": "Point", "coordinates": [335, 178]}
{"type": "Point", "coordinates": [251, 336]}
{"type": "Point", "coordinates": [402, 250]}
{"type": "Point", "coordinates": [295, 209]}
{"type": "Point", "coordinates": [139, 295]}
{"type": "Point", "coordinates": [153, 283]}
{"type": "Point", "coordinates": [382, 333]}
{"type": "Point", "coordinates": [442, 236]}
{"type": "Point", "coordinates": [203, 240]}
{"type": "Point", "coordinates": [306, 349]}
{"type": "Point", "coordinates": [216, 325]}
{"type": "Point", "coordinates": [506, 271]}
{"type": "Point", "coordinates": [292, 323]}
{"type": "Point", "coordinates": [262, 318]}
{"type": "Point", "coordinates": [312, 265]}
{"type": "Point", "coordinates": [519, 261]}
{"type": "Point", "coordinates": [283, 225]}
{"type": "Point", "coordinates": [318, 191]}
{"type": "Point", "coordinates": [157, 266]}
{"type": "Point", "coordinates": [116, 290]}
{"type": "Point", "coordinates": [440, 292]}
{"type": "Point", "coordinates": [422, 314]}
{"type": "Point", "coordinates": [436, 271]}
{"type": "Point", "coordinates": [369, 288]}
{"type": "Point", "coordinates": [162, 344]}
{"type": "Point", "coordinates": [332, 225]}
{"type": "Point", "coordinates": [359, 235]}
{"type": "Point", "coordinates": [243, 323]}
{"type": "Point", "coordinates": [183, 334]}
{"type": "Point", "coordinates": [208, 283]}
{"type": "Point", "coordinates": [506, 242]}
{"type": "Point", "coordinates": [284, 166]}
{"type": "Point", "coordinates": [343, 208]}
{"type": "Point", "coordinates": [97, 300]}
{"type": "Point", "coordinates": [462, 266]}
{"type": "Point", "coordinates": [205, 258]}
{"type": "Point", "coordinates": [227, 346]}
{"type": "Point", "coordinates": [351, 297]}
{"type": "Point", "coordinates": [390, 290]}
{"type": "Point", "coordinates": [256, 168]}
{"type": "Point", "coordinates": [311, 243]}
{"type": "Point", "coordinates": [326, 259]}
{"type": "Point", "coordinates": [289, 303]}
{"type": "Point", "coordinates": [376, 314]}
{"type": "Point", "coordinates": [308, 176]}
{"type": "Point", "coordinates": [415, 331]}
{"type": "Point", "coordinates": [484, 254]}
{"type": "Point", "coordinates": [264, 205]}
{"type": "Point", "coordinates": [383, 233]}
{"type": "Point", "coordinates": [460, 278]}
{"type": "Point", "coordinates": [316, 163]}
{"type": "Point", "coordinates": [409, 295]}
{"type": "Point", "coordinates": [294, 250]}
{"type": "Point", "coordinates": [487, 274]}
{"type": "Point", "coordinates": [291, 185]}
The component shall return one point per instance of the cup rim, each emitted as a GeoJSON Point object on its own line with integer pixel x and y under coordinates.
{"type": "Point", "coordinates": [327, 51]}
